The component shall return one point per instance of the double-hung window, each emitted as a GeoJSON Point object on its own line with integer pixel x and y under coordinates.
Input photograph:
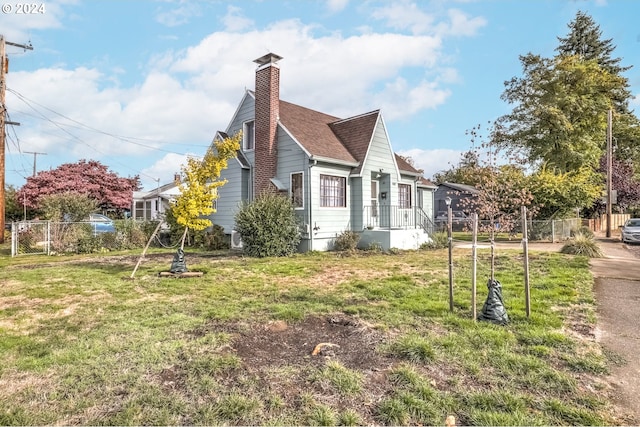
{"type": "Point", "coordinates": [248, 136]}
{"type": "Point", "coordinates": [404, 196]}
{"type": "Point", "coordinates": [333, 191]}
{"type": "Point", "coordinates": [297, 194]}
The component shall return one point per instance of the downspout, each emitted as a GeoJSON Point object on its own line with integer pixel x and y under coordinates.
{"type": "Point", "coordinates": [309, 206]}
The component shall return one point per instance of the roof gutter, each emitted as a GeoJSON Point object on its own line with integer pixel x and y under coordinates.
{"type": "Point", "coordinates": [334, 161]}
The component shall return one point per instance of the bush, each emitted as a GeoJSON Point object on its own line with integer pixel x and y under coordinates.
{"type": "Point", "coordinates": [268, 226]}
{"type": "Point", "coordinates": [347, 241]}
{"type": "Point", "coordinates": [438, 241]}
{"type": "Point", "coordinates": [582, 244]}
{"type": "Point", "coordinates": [211, 239]}
{"type": "Point", "coordinates": [585, 231]}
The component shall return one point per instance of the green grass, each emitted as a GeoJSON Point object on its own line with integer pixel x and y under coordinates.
{"type": "Point", "coordinates": [83, 344]}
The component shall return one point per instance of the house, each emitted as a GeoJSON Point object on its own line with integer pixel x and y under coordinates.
{"type": "Point", "coordinates": [340, 173]}
{"type": "Point", "coordinates": [152, 205]}
{"type": "Point", "coordinates": [461, 195]}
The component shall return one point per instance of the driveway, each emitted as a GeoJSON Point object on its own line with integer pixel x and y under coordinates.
{"type": "Point", "coordinates": [617, 292]}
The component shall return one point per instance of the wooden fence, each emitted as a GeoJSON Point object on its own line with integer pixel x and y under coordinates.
{"type": "Point", "coordinates": [600, 224]}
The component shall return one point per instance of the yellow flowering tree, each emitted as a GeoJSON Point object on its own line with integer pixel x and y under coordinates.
{"type": "Point", "coordinates": [200, 182]}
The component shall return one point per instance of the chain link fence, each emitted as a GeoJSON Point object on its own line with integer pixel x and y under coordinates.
{"type": "Point", "coordinates": [51, 238]}
{"type": "Point", "coordinates": [549, 230]}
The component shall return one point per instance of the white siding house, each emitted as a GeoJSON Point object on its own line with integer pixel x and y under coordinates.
{"type": "Point", "coordinates": [341, 174]}
{"type": "Point", "coordinates": [152, 205]}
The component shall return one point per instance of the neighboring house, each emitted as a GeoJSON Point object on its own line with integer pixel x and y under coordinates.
{"type": "Point", "coordinates": [152, 205]}
{"type": "Point", "coordinates": [457, 193]}
{"type": "Point", "coordinates": [341, 174]}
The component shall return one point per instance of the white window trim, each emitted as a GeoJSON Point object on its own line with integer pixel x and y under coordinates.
{"type": "Point", "coordinates": [244, 133]}
{"type": "Point", "coordinates": [291, 188]}
{"type": "Point", "coordinates": [346, 192]}
{"type": "Point", "coordinates": [409, 193]}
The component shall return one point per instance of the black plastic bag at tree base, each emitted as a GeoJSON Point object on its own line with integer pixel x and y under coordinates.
{"type": "Point", "coordinates": [179, 264]}
{"type": "Point", "coordinates": [493, 309]}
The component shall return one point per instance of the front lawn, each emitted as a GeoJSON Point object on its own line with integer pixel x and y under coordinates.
{"type": "Point", "coordinates": [315, 339]}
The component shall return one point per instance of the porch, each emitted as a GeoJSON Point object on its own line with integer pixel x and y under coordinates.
{"type": "Point", "coordinates": [393, 226]}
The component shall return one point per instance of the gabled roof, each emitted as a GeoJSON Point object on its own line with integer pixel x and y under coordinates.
{"type": "Point", "coordinates": [356, 134]}
{"type": "Point", "coordinates": [166, 191]}
{"type": "Point", "coordinates": [424, 182]}
{"type": "Point", "coordinates": [404, 166]}
{"type": "Point", "coordinates": [312, 130]}
{"type": "Point", "coordinates": [329, 137]}
{"type": "Point", "coordinates": [240, 157]}
{"type": "Point", "coordinates": [461, 187]}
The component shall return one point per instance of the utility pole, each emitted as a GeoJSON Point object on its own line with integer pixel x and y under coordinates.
{"type": "Point", "coordinates": [609, 167]}
{"type": "Point", "coordinates": [35, 153]}
{"type": "Point", "coordinates": [4, 68]}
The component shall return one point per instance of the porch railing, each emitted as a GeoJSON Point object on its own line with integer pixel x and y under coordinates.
{"type": "Point", "coordinates": [389, 217]}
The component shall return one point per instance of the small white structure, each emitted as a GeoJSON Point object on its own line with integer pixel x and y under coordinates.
{"type": "Point", "coordinates": [152, 205]}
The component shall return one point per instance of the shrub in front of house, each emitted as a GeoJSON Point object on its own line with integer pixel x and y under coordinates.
{"type": "Point", "coordinates": [268, 226]}
{"type": "Point", "coordinates": [347, 241]}
{"type": "Point", "coordinates": [438, 241]}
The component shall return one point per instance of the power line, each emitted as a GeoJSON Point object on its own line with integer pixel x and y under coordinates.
{"type": "Point", "coordinates": [62, 127]}
{"type": "Point", "coordinates": [4, 68]}
{"type": "Point", "coordinates": [35, 153]}
{"type": "Point", "coordinates": [129, 139]}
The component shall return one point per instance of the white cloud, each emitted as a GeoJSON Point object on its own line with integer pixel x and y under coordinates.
{"type": "Point", "coordinates": [163, 169]}
{"type": "Point", "coordinates": [339, 75]}
{"type": "Point", "coordinates": [405, 15]}
{"type": "Point", "coordinates": [235, 21]}
{"type": "Point", "coordinates": [187, 95]}
{"type": "Point", "coordinates": [433, 161]}
{"type": "Point", "coordinates": [461, 24]}
{"type": "Point", "coordinates": [18, 27]}
{"type": "Point", "coordinates": [179, 15]}
{"type": "Point", "coordinates": [399, 100]}
{"type": "Point", "coordinates": [336, 5]}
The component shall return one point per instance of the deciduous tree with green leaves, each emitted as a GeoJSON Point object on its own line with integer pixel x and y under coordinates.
{"type": "Point", "coordinates": [559, 194]}
{"type": "Point", "coordinates": [560, 110]}
{"type": "Point", "coordinates": [199, 184]}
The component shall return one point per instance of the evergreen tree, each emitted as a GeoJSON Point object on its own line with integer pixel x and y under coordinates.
{"type": "Point", "coordinates": [585, 41]}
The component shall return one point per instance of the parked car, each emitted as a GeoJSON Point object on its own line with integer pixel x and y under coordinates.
{"type": "Point", "coordinates": [459, 220]}
{"type": "Point", "coordinates": [101, 224]}
{"type": "Point", "coordinates": [630, 231]}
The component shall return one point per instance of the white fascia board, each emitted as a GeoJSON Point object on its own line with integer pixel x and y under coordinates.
{"type": "Point", "coordinates": [334, 161]}
{"type": "Point", "coordinates": [393, 153]}
{"type": "Point", "coordinates": [284, 128]}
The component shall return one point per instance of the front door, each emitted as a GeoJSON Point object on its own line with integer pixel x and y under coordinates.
{"type": "Point", "coordinates": [384, 200]}
{"type": "Point", "coordinates": [374, 203]}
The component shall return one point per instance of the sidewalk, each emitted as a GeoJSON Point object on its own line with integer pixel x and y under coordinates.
{"type": "Point", "coordinates": [617, 293]}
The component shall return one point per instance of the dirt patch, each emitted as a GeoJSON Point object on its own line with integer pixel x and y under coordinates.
{"type": "Point", "coordinates": [278, 359]}
{"type": "Point", "coordinates": [350, 342]}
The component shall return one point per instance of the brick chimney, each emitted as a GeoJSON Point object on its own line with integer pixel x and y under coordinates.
{"type": "Point", "coordinates": [266, 121]}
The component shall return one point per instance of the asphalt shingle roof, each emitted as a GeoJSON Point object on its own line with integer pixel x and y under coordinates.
{"type": "Point", "coordinates": [328, 136]}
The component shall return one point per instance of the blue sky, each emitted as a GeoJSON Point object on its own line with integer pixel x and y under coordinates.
{"type": "Point", "coordinates": [139, 85]}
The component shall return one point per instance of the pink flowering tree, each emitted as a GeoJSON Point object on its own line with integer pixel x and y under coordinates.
{"type": "Point", "coordinates": [86, 177]}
